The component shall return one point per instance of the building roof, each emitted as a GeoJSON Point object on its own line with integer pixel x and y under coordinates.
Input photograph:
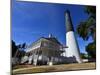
{"type": "Point", "coordinates": [52, 39]}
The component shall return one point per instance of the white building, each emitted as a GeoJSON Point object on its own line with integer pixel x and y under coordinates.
{"type": "Point", "coordinates": [44, 51]}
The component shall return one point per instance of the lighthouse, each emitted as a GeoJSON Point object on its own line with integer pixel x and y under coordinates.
{"type": "Point", "coordinates": [71, 42]}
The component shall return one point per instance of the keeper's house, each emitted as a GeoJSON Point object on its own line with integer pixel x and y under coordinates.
{"type": "Point", "coordinates": [44, 51]}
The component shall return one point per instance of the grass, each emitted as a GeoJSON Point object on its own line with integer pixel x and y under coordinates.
{"type": "Point", "coordinates": [55, 68]}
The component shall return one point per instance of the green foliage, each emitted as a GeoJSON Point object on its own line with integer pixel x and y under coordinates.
{"type": "Point", "coordinates": [18, 50]}
{"type": "Point", "coordinates": [84, 56]}
{"type": "Point", "coordinates": [14, 48]}
{"type": "Point", "coordinates": [91, 49]}
{"type": "Point", "coordinates": [91, 10]}
{"type": "Point", "coordinates": [20, 54]}
{"type": "Point", "coordinates": [82, 30]}
{"type": "Point", "coordinates": [87, 29]}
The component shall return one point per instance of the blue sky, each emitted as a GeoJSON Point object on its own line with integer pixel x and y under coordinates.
{"type": "Point", "coordinates": [31, 20]}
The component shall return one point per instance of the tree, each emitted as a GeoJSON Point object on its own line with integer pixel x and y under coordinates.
{"type": "Point", "coordinates": [83, 55]}
{"type": "Point", "coordinates": [87, 29]}
{"type": "Point", "coordinates": [24, 45]}
{"type": "Point", "coordinates": [14, 48]}
{"type": "Point", "coordinates": [21, 51]}
{"type": "Point", "coordinates": [90, 48]}
{"type": "Point", "coordinates": [18, 50]}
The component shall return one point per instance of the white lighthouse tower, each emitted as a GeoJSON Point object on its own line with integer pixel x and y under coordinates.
{"type": "Point", "coordinates": [71, 42]}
